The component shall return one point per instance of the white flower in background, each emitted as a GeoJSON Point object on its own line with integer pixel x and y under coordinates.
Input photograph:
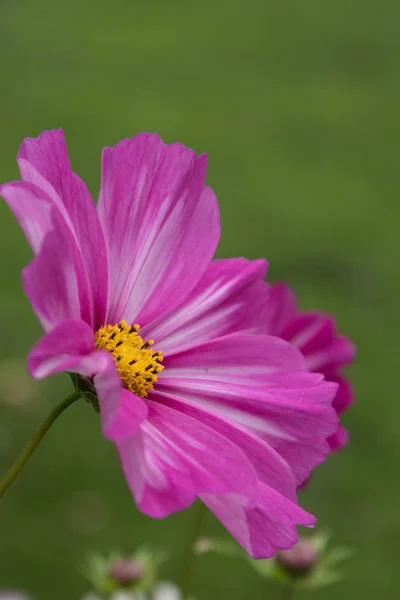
{"type": "Point", "coordinates": [116, 596]}
{"type": "Point", "coordinates": [128, 596]}
{"type": "Point", "coordinates": [165, 590]}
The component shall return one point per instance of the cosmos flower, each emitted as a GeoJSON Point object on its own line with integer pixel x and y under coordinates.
{"type": "Point", "coordinates": [197, 403]}
{"type": "Point", "coordinates": [324, 349]}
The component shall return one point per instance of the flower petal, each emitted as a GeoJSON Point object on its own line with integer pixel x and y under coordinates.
{"type": "Point", "coordinates": [55, 281]}
{"type": "Point", "coordinates": [243, 379]}
{"type": "Point", "coordinates": [61, 348]}
{"type": "Point", "coordinates": [315, 335]}
{"type": "Point", "coordinates": [70, 347]}
{"type": "Point", "coordinates": [44, 162]}
{"type": "Point", "coordinates": [280, 309]}
{"type": "Point", "coordinates": [173, 458]}
{"type": "Point", "coordinates": [161, 225]}
{"type": "Point", "coordinates": [131, 412]}
{"type": "Point", "coordinates": [219, 305]}
{"type": "Point", "coordinates": [32, 209]}
{"type": "Point", "coordinates": [268, 464]}
{"type": "Point", "coordinates": [264, 529]}
{"type": "Point", "coordinates": [338, 440]}
{"type": "Point", "coordinates": [327, 359]}
{"type": "Point", "coordinates": [344, 396]}
{"type": "Point", "coordinates": [310, 331]}
{"type": "Point", "coordinates": [295, 422]}
{"type": "Point", "coordinates": [235, 358]}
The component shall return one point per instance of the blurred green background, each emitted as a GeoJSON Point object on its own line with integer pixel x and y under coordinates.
{"type": "Point", "coordinates": [297, 105]}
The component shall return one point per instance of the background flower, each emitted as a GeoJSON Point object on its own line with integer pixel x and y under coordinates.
{"type": "Point", "coordinates": [315, 335]}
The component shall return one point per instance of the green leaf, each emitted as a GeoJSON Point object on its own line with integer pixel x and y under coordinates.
{"type": "Point", "coordinates": [92, 399]}
{"type": "Point", "coordinates": [75, 380]}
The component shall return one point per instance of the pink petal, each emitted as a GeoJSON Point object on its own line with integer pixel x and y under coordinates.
{"type": "Point", "coordinates": [161, 225]}
{"type": "Point", "coordinates": [243, 379]}
{"type": "Point", "coordinates": [315, 335]}
{"type": "Point", "coordinates": [268, 464]}
{"type": "Point", "coordinates": [235, 358]}
{"type": "Point", "coordinates": [131, 412]}
{"type": "Point", "coordinates": [44, 162]}
{"type": "Point", "coordinates": [264, 529]}
{"type": "Point", "coordinates": [294, 422]}
{"type": "Point", "coordinates": [280, 309]}
{"type": "Point", "coordinates": [339, 439]}
{"type": "Point", "coordinates": [174, 458]}
{"type": "Point", "coordinates": [328, 358]}
{"type": "Point", "coordinates": [68, 343]}
{"type": "Point", "coordinates": [219, 305]}
{"type": "Point", "coordinates": [306, 421]}
{"type": "Point", "coordinates": [32, 209]}
{"type": "Point", "coordinates": [70, 347]}
{"type": "Point", "coordinates": [121, 411]}
{"type": "Point", "coordinates": [325, 351]}
{"type": "Point", "coordinates": [55, 281]}
{"type": "Point", "coordinates": [344, 396]}
{"type": "Point", "coordinates": [310, 331]}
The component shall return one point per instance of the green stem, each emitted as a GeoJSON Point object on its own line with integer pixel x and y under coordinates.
{"type": "Point", "coordinates": [190, 557]}
{"type": "Point", "coordinates": [29, 449]}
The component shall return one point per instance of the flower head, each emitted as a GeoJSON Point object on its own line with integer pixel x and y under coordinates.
{"type": "Point", "coordinates": [135, 574]}
{"type": "Point", "coordinates": [196, 401]}
{"type": "Point", "coordinates": [126, 571]}
{"type": "Point", "coordinates": [310, 564]}
{"type": "Point", "coordinates": [300, 559]}
{"type": "Point", "coordinates": [323, 348]}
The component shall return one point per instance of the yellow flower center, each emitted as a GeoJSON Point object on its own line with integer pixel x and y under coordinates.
{"type": "Point", "coordinates": [136, 362]}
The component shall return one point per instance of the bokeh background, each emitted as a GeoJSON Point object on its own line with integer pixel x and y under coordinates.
{"type": "Point", "coordinates": [297, 105]}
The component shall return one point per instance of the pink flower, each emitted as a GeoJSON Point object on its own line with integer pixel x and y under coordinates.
{"type": "Point", "coordinates": [324, 350]}
{"type": "Point", "coordinates": [209, 409]}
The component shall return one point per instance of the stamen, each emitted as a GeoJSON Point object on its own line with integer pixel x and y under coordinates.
{"type": "Point", "coordinates": [136, 362]}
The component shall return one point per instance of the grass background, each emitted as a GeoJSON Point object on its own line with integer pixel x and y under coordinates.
{"type": "Point", "coordinates": [296, 104]}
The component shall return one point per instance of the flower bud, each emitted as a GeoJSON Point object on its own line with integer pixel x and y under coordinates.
{"type": "Point", "coordinates": [126, 571]}
{"type": "Point", "coordinates": [300, 559]}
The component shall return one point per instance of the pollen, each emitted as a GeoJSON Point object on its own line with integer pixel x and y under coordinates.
{"type": "Point", "coordinates": [137, 363]}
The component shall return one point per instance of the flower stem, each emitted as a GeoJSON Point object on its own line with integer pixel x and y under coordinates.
{"type": "Point", "coordinates": [190, 556]}
{"type": "Point", "coordinates": [29, 449]}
